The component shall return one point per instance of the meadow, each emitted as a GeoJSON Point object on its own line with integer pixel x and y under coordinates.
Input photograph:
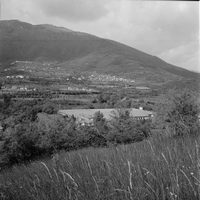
{"type": "Point", "coordinates": [157, 168]}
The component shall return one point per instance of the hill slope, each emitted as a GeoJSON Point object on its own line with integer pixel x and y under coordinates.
{"type": "Point", "coordinates": [82, 52]}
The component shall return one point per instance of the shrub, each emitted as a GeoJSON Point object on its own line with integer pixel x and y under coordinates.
{"type": "Point", "coordinates": [124, 128]}
{"type": "Point", "coordinates": [100, 123]}
{"type": "Point", "coordinates": [61, 134]}
{"type": "Point", "coordinates": [49, 108]}
{"type": "Point", "coordinates": [21, 142]}
{"type": "Point", "coordinates": [18, 145]}
{"type": "Point", "coordinates": [179, 113]}
{"type": "Point", "coordinates": [90, 137]}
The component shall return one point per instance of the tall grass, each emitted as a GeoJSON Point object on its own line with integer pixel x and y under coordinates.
{"type": "Point", "coordinates": [157, 168]}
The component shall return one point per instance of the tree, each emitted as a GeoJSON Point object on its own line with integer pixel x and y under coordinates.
{"type": "Point", "coordinates": [49, 107]}
{"type": "Point", "coordinates": [179, 113]}
{"type": "Point", "coordinates": [100, 123]}
{"type": "Point", "coordinates": [124, 127]}
{"type": "Point", "coordinates": [7, 100]}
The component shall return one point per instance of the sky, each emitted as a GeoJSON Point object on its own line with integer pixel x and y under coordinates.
{"type": "Point", "coordinates": [167, 29]}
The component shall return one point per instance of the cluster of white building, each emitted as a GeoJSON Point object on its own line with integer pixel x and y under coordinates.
{"type": "Point", "coordinates": [102, 77]}
{"type": "Point", "coordinates": [17, 76]}
{"type": "Point", "coordinates": [17, 88]}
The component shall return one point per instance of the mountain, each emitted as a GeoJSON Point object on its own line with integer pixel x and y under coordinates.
{"type": "Point", "coordinates": [82, 52]}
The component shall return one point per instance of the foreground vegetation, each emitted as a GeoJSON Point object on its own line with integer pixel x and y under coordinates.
{"type": "Point", "coordinates": [158, 168]}
{"type": "Point", "coordinates": [50, 161]}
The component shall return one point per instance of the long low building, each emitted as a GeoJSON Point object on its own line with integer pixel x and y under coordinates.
{"type": "Point", "coordinates": [88, 114]}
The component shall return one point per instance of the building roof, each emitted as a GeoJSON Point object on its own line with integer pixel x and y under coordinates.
{"type": "Point", "coordinates": [108, 113]}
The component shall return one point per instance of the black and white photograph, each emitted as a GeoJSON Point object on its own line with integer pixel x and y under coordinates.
{"type": "Point", "coordinates": [99, 100]}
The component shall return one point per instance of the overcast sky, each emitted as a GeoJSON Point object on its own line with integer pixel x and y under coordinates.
{"type": "Point", "coordinates": [167, 29]}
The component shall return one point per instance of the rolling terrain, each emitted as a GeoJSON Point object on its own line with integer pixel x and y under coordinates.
{"type": "Point", "coordinates": [71, 51]}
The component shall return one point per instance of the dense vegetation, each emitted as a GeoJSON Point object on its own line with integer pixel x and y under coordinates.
{"type": "Point", "coordinates": [164, 166]}
{"type": "Point", "coordinates": [26, 137]}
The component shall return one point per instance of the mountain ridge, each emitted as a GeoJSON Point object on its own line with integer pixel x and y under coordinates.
{"type": "Point", "coordinates": [73, 49]}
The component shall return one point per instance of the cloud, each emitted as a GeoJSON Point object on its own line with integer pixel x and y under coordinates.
{"type": "Point", "coordinates": [186, 56]}
{"type": "Point", "coordinates": [162, 25]}
{"type": "Point", "coordinates": [73, 10]}
{"type": "Point", "coordinates": [25, 11]}
{"type": "Point", "coordinates": [153, 27]}
{"type": "Point", "coordinates": [169, 30]}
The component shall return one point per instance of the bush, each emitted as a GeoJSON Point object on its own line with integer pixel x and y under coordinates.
{"type": "Point", "coordinates": [49, 108]}
{"type": "Point", "coordinates": [91, 137]}
{"type": "Point", "coordinates": [179, 113]}
{"type": "Point", "coordinates": [18, 145]}
{"type": "Point", "coordinates": [61, 134]}
{"type": "Point", "coordinates": [100, 123]}
{"type": "Point", "coordinates": [125, 129]}
{"type": "Point", "coordinates": [21, 142]}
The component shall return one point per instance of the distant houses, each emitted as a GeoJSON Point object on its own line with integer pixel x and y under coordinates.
{"type": "Point", "coordinates": [142, 88]}
{"type": "Point", "coordinates": [17, 88]}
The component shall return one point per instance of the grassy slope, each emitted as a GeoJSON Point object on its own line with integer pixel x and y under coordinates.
{"type": "Point", "coordinates": [154, 169]}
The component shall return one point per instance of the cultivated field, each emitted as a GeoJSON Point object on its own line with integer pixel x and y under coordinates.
{"type": "Point", "coordinates": [158, 168]}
